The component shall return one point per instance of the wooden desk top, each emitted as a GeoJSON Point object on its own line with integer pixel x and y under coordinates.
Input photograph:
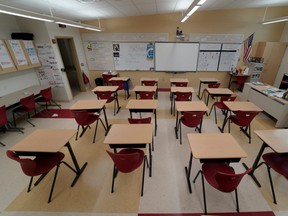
{"type": "Point", "coordinates": [276, 139]}
{"type": "Point", "coordinates": [15, 97]}
{"type": "Point", "coordinates": [105, 88]}
{"type": "Point", "coordinates": [242, 106]}
{"type": "Point", "coordinates": [44, 140]}
{"type": "Point", "coordinates": [181, 89]}
{"type": "Point", "coordinates": [215, 146]}
{"type": "Point", "coordinates": [219, 91]}
{"type": "Point", "coordinates": [183, 106]}
{"type": "Point", "coordinates": [110, 73]}
{"type": "Point", "coordinates": [149, 78]}
{"type": "Point", "coordinates": [88, 104]}
{"type": "Point", "coordinates": [145, 88]}
{"type": "Point", "coordinates": [120, 78]}
{"type": "Point", "coordinates": [174, 80]}
{"type": "Point", "coordinates": [204, 79]}
{"type": "Point", "coordinates": [129, 134]}
{"type": "Point", "coordinates": [142, 104]}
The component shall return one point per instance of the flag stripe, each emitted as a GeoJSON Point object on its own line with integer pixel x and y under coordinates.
{"type": "Point", "coordinates": [248, 47]}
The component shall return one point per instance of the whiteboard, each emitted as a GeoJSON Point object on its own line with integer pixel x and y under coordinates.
{"type": "Point", "coordinates": [133, 56]}
{"type": "Point", "coordinates": [229, 56]}
{"type": "Point", "coordinates": [208, 57]}
{"type": "Point", "coordinates": [177, 57]}
{"type": "Point", "coordinates": [99, 55]}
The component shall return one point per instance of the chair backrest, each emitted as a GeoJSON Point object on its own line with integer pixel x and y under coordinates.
{"type": "Point", "coordinates": [81, 116]}
{"type": "Point", "coordinates": [107, 77]}
{"type": "Point", "coordinates": [183, 96]}
{"type": "Point", "coordinates": [192, 119]}
{"type": "Point", "coordinates": [146, 95]}
{"type": "Point", "coordinates": [227, 98]}
{"type": "Point", "coordinates": [118, 83]}
{"type": "Point", "coordinates": [240, 80]}
{"type": "Point", "coordinates": [28, 102]}
{"type": "Point", "coordinates": [181, 84]}
{"type": "Point", "coordinates": [27, 164]}
{"type": "Point", "coordinates": [105, 95]}
{"type": "Point", "coordinates": [228, 182]}
{"type": "Point", "coordinates": [149, 82]}
{"type": "Point", "coordinates": [3, 116]}
{"type": "Point", "coordinates": [126, 162]}
{"type": "Point", "coordinates": [146, 120]}
{"type": "Point", "coordinates": [213, 85]}
{"type": "Point", "coordinates": [245, 117]}
{"type": "Point", "coordinates": [46, 93]}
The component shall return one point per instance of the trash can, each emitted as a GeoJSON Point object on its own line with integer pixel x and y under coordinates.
{"type": "Point", "coordinates": [99, 81]}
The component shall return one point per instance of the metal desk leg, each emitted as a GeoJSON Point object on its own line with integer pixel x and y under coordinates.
{"type": "Point", "coordinates": [188, 172]}
{"type": "Point", "coordinates": [199, 90]}
{"type": "Point", "coordinates": [150, 162]}
{"type": "Point", "coordinates": [106, 121]}
{"type": "Point", "coordinates": [155, 116]}
{"type": "Point", "coordinates": [78, 169]}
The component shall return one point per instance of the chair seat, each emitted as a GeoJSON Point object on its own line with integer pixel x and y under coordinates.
{"type": "Point", "coordinates": [277, 162]}
{"type": "Point", "coordinates": [220, 105]}
{"type": "Point", "coordinates": [211, 169]}
{"type": "Point", "coordinates": [91, 118]}
{"type": "Point", "coordinates": [136, 163]}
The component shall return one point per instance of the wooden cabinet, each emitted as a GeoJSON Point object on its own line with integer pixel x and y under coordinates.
{"type": "Point", "coordinates": [272, 52]}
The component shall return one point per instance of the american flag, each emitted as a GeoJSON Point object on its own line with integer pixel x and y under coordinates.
{"type": "Point", "coordinates": [247, 47]}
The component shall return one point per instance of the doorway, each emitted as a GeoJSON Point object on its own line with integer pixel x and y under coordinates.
{"type": "Point", "coordinates": [71, 64]}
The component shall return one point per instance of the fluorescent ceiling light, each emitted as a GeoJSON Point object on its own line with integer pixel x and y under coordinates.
{"type": "Point", "coordinates": [192, 8]}
{"type": "Point", "coordinates": [280, 19]}
{"type": "Point", "coordinates": [32, 15]}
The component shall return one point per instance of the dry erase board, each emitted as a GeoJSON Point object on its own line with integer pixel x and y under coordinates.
{"type": "Point", "coordinates": [209, 54]}
{"type": "Point", "coordinates": [176, 57]}
{"type": "Point", "coordinates": [229, 56]}
{"type": "Point", "coordinates": [133, 56]}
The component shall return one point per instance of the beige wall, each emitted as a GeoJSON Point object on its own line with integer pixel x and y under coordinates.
{"type": "Point", "coordinates": [245, 21]}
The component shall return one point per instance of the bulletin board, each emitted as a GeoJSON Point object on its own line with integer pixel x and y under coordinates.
{"type": "Point", "coordinates": [6, 62]}
{"type": "Point", "coordinates": [30, 49]}
{"type": "Point", "coordinates": [18, 54]}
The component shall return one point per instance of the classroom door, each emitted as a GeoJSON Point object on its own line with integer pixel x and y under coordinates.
{"type": "Point", "coordinates": [72, 67]}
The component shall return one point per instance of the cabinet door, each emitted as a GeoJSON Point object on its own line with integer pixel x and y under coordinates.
{"type": "Point", "coordinates": [272, 52]}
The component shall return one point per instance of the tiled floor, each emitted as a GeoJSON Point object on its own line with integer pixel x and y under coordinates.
{"type": "Point", "coordinates": [165, 192]}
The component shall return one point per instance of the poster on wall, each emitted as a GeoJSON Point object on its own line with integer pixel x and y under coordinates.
{"type": "Point", "coordinates": [31, 51]}
{"type": "Point", "coordinates": [18, 52]}
{"type": "Point", "coordinates": [5, 59]}
{"type": "Point", "coordinates": [49, 73]}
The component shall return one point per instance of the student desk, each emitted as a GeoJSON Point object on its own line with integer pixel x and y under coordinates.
{"type": "Point", "coordinates": [173, 81]}
{"type": "Point", "coordinates": [175, 89]}
{"type": "Point", "coordinates": [234, 77]}
{"type": "Point", "coordinates": [206, 81]}
{"type": "Point", "coordinates": [13, 99]}
{"type": "Point", "coordinates": [125, 80]}
{"type": "Point", "coordinates": [93, 106]}
{"type": "Point", "coordinates": [138, 89]}
{"type": "Point", "coordinates": [211, 148]}
{"type": "Point", "coordinates": [109, 88]}
{"type": "Point", "coordinates": [276, 139]}
{"type": "Point", "coordinates": [150, 79]}
{"type": "Point", "coordinates": [234, 106]}
{"type": "Point", "coordinates": [49, 141]}
{"type": "Point", "coordinates": [114, 74]}
{"type": "Point", "coordinates": [184, 106]}
{"type": "Point", "coordinates": [218, 92]}
{"type": "Point", "coordinates": [131, 136]}
{"type": "Point", "coordinates": [149, 106]}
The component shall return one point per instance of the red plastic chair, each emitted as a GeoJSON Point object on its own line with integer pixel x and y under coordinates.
{"type": "Point", "coordinates": [240, 81]}
{"type": "Point", "coordinates": [222, 177]}
{"type": "Point", "coordinates": [121, 86]}
{"type": "Point", "coordinates": [149, 82]}
{"type": "Point", "coordinates": [46, 97]}
{"type": "Point", "coordinates": [279, 163]}
{"type": "Point", "coordinates": [146, 95]}
{"type": "Point", "coordinates": [42, 164]}
{"type": "Point", "coordinates": [106, 78]}
{"type": "Point", "coordinates": [181, 84]}
{"type": "Point", "coordinates": [191, 120]}
{"type": "Point", "coordinates": [210, 85]}
{"type": "Point", "coordinates": [27, 105]}
{"type": "Point", "coordinates": [126, 161]}
{"type": "Point", "coordinates": [109, 96]}
{"type": "Point", "coordinates": [85, 119]}
{"type": "Point", "coordinates": [181, 96]}
{"type": "Point", "coordinates": [220, 105]}
{"type": "Point", "coordinates": [243, 119]}
{"type": "Point", "coordinates": [5, 125]}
